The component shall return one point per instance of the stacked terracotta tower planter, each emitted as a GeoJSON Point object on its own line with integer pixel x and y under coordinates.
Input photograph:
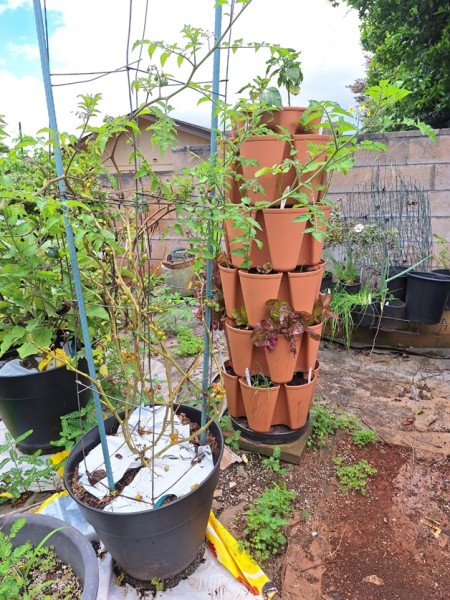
{"type": "Point", "coordinates": [282, 242]}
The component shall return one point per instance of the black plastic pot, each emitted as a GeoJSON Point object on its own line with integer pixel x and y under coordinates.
{"type": "Point", "coordinates": [72, 547]}
{"type": "Point", "coordinates": [426, 296]}
{"type": "Point", "coordinates": [37, 401]}
{"type": "Point", "coordinates": [447, 273]}
{"type": "Point", "coordinates": [397, 287]}
{"type": "Point", "coordinates": [157, 543]}
{"type": "Point", "coordinates": [393, 316]}
{"type": "Point", "coordinates": [363, 315]}
{"type": "Point", "coordinates": [350, 288]}
{"type": "Point", "coordinates": [327, 281]}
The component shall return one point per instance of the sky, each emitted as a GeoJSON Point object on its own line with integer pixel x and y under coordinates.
{"type": "Point", "coordinates": [87, 36]}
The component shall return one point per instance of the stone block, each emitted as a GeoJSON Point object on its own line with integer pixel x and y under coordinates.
{"type": "Point", "coordinates": [442, 175]}
{"type": "Point", "coordinates": [423, 150]}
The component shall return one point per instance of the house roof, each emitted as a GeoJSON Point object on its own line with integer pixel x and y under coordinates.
{"type": "Point", "coordinates": [181, 125]}
{"type": "Point", "coordinates": [184, 126]}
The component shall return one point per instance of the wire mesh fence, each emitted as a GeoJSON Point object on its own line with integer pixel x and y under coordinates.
{"type": "Point", "coordinates": [383, 223]}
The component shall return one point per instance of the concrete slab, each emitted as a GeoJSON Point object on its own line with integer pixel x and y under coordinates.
{"type": "Point", "coordinates": [291, 452]}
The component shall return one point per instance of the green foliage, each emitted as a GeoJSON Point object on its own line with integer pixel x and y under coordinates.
{"type": "Point", "coordinates": [353, 477]}
{"type": "Point", "coordinates": [346, 272]}
{"type": "Point", "coordinates": [74, 425]}
{"type": "Point", "coordinates": [240, 317]}
{"type": "Point", "coordinates": [343, 304]}
{"type": "Point", "coordinates": [188, 343]}
{"type": "Point", "coordinates": [19, 566]}
{"type": "Point", "coordinates": [442, 257]}
{"type": "Point", "coordinates": [325, 422]}
{"type": "Point", "coordinates": [19, 472]}
{"type": "Point", "coordinates": [273, 462]}
{"type": "Point", "coordinates": [409, 41]}
{"type": "Point", "coordinates": [265, 519]}
{"type": "Point", "coordinates": [232, 439]}
{"type": "Point", "coordinates": [364, 437]}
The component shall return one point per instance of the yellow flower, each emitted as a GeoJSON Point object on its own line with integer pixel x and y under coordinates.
{"type": "Point", "coordinates": [57, 459]}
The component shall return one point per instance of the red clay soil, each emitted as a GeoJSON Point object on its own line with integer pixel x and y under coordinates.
{"type": "Point", "coordinates": [394, 542]}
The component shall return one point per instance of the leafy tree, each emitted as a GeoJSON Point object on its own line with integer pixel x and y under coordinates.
{"type": "Point", "coordinates": [409, 42]}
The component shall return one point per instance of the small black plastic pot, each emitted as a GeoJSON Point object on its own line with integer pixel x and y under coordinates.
{"type": "Point", "coordinates": [327, 281]}
{"type": "Point", "coordinates": [350, 288]}
{"type": "Point", "coordinates": [393, 316]}
{"type": "Point", "coordinates": [447, 273]}
{"type": "Point", "coordinates": [37, 401]}
{"type": "Point", "coordinates": [158, 543]}
{"type": "Point", "coordinates": [363, 315]}
{"type": "Point", "coordinates": [71, 546]}
{"type": "Point", "coordinates": [426, 296]}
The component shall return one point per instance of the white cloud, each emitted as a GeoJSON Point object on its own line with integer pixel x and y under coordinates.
{"type": "Point", "coordinates": [25, 51]}
{"type": "Point", "coordinates": [326, 37]}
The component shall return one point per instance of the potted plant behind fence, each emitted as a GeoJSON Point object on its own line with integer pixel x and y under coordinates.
{"type": "Point", "coordinates": [36, 293]}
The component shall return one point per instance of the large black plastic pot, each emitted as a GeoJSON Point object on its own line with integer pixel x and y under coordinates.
{"type": "Point", "coordinates": [447, 273]}
{"type": "Point", "coordinates": [426, 296]}
{"type": "Point", "coordinates": [158, 543]}
{"type": "Point", "coordinates": [73, 548]}
{"type": "Point", "coordinates": [37, 401]}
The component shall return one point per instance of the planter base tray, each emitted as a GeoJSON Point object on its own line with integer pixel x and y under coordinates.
{"type": "Point", "coordinates": [278, 434]}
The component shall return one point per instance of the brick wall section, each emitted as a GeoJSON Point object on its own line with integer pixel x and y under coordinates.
{"type": "Point", "coordinates": [418, 159]}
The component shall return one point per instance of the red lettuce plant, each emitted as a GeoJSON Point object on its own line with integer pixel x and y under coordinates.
{"type": "Point", "coordinates": [281, 319]}
{"type": "Point", "coordinates": [322, 310]}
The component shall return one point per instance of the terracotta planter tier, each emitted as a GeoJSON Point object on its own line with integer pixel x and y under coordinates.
{"type": "Point", "coordinates": [299, 399]}
{"type": "Point", "coordinates": [311, 250]}
{"type": "Point", "coordinates": [284, 236]}
{"type": "Point", "coordinates": [304, 288]}
{"type": "Point", "coordinates": [257, 288]}
{"type": "Point", "coordinates": [240, 347]}
{"type": "Point", "coordinates": [231, 289]}
{"type": "Point", "coordinates": [233, 393]}
{"type": "Point", "coordinates": [268, 151]}
{"type": "Point", "coordinates": [287, 118]}
{"type": "Point", "coordinates": [233, 241]}
{"type": "Point", "coordinates": [308, 150]}
{"type": "Point", "coordinates": [259, 405]}
{"type": "Point", "coordinates": [281, 361]}
{"type": "Point", "coordinates": [309, 348]}
{"type": "Point", "coordinates": [242, 352]}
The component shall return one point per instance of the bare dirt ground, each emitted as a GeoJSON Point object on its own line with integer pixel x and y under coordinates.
{"type": "Point", "coordinates": [393, 543]}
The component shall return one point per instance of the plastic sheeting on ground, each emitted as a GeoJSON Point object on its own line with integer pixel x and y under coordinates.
{"type": "Point", "coordinates": [210, 580]}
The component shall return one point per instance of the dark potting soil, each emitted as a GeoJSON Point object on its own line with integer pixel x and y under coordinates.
{"type": "Point", "coordinates": [142, 587]}
{"type": "Point", "coordinates": [298, 379]}
{"type": "Point", "coordinates": [304, 268]}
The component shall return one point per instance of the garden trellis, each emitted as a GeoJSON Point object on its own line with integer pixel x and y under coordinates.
{"type": "Point", "coordinates": [44, 52]}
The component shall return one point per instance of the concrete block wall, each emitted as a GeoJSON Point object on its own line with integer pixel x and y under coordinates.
{"type": "Point", "coordinates": [417, 159]}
